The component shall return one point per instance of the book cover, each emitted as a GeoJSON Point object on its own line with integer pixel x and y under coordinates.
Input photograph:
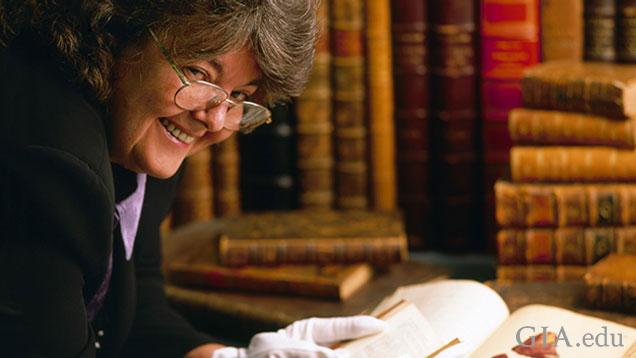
{"type": "Point", "coordinates": [605, 89]}
{"type": "Point", "coordinates": [611, 283]}
{"type": "Point", "coordinates": [349, 93]}
{"type": "Point", "coordinates": [382, 182]}
{"type": "Point", "coordinates": [567, 164]}
{"type": "Point", "coordinates": [540, 127]}
{"type": "Point", "coordinates": [453, 68]}
{"type": "Point", "coordinates": [412, 104]}
{"type": "Point", "coordinates": [199, 266]}
{"type": "Point", "coordinates": [600, 30]}
{"type": "Point", "coordinates": [314, 127]}
{"type": "Point", "coordinates": [302, 237]}
{"type": "Point", "coordinates": [562, 205]}
{"type": "Point", "coordinates": [226, 165]}
{"type": "Point", "coordinates": [562, 246]}
{"type": "Point", "coordinates": [561, 30]}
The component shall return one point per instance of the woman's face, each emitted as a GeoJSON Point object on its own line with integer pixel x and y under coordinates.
{"type": "Point", "coordinates": [145, 118]}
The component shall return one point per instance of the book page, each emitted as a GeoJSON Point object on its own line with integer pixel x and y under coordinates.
{"type": "Point", "coordinates": [575, 335]}
{"type": "Point", "coordinates": [465, 309]}
{"type": "Point", "coordinates": [409, 335]}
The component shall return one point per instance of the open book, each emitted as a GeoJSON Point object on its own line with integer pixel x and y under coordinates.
{"type": "Point", "coordinates": [462, 318]}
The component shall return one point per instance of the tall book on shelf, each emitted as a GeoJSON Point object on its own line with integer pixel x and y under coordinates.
{"type": "Point", "coordinates": [626, 31]}
{"type": "Point", "coordinates": [194, 197]}
{"type": "Point", "coordinates": [510, 42]}
{"type": "Point", "coordinates": [453, 76]}
{"type": "Point", "coordinates": [412, 104]}
{"type": "Point", "coordinates": [561, 30]}
{"type": "Point", "coordinates": [268, 164]}
{"type": "Point", "coordinates": [226, 177]}
{"type": "Point", "coordinates": [348, 72]}
{"type": "Point", "coordinates": [600, 30]}
{"type": "Point", "coordinates": [380, 105]}
{"type": "Point", "coordinates": [314, 127]}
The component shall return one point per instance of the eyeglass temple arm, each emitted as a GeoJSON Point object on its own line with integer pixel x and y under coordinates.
{"type": "Point", "coordinates": [168, 57]}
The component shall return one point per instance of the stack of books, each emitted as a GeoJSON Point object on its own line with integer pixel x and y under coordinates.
{"type": "Point", "coordinates": [325, 254]}
{"type": "Point", "coordinates": [572, 196]}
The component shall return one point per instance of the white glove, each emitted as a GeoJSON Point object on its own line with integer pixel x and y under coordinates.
{"type": "Point", "coordinates": [307, 338]}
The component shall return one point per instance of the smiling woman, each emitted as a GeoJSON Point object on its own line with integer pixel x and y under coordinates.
{"type": "Point", "coordinates": [101, 101]}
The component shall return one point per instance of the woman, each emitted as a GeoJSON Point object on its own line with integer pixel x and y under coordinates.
{"type": "Point", "coordinates": [101, 102]}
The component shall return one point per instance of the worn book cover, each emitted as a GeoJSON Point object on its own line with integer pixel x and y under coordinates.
{"type": "Point", "coordinates": [198, 266]}
{"type": "Point", "coordinates": [611, 283]}
{"type": "Point", "coordinates": [302, 237]}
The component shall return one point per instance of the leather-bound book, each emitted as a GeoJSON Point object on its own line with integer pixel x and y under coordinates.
{"type": "Point", "coordinates": [314, 127]}
{"type": "Point", "coordinates": [194, 197]}
{"type": "Point", "coordinates": [539, 127]}
{"type": "Point", "coordinates": [268, 164]}
{"type": "Point", "coordinates": [411, 85]}
{"type": "Point", "coordinates": [554, 205]}
{"type": "Point", "coordinates": [626, 31]}
{"type": "Point", "coordinates": [605, 89]}
{"type": "Point", "coordinates": [304, 237]}
{"type": "Point", "coordinates": [561, 30]}
{"type": "Point", "coordinates": [566, 164]}
{"type": "Point", "coordinates": [611, 284]}
{"type": "Point", "coordinates": [380, 105]}
{"type": "Point", "coordinates": [454, 120]}
{"type": "Point", "coordinates": [227, 178]}
{"type": "Point", "coordinates": [563, 246]}
{"type": "Point", "coordinates": [600, 30]}
{"type": "Point", "coordinates": [540, 273]}
{"type": "Point", "coordinates": [348, 72]}
{"type": "Point", "coordinates": [199, 266]}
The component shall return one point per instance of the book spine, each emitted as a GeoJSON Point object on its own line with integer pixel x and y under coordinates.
{"type": "Point", "coordinates": [626, 31]}
{"type": "Point", "coordinates": [380, 105]}
{"type": "Point", "coordinates": [454, 120]}
{"type": "Point", "coordinates": [565, 164]}
{"type": "Point", "coordinates": [551, 86]}
{"type": "Point", "coordinates": [194, 197]}
{"type": "Point", "coordinates": [540, 273]}
{"type": "Point", "coordinates": [609, 295]}
{"type": "Point", "coordinates": [348, 70]}
{"type": "Point", "coordinates": [227, 178]}
{"type": "Point", "coordinates": [314, 127]}
{"type": "Point", "coordinates": [552, 205]}
{"type": "Point", "coordinates": [229, 278]}
{"type": "Point", "coordinates": [563, 246]}
{"type": "Point", "coordinates": [561, 30]}
{"type": "Point", "coordinates": [268, 175]}
{"type": "Point", "coordinates": [411, 81]}
{"type": "Point", "coordinates": [538, 127]}
{"type": "Point", "coordinates": [600, 30]}
{"type": "Point", "coordinates": [267, 252]}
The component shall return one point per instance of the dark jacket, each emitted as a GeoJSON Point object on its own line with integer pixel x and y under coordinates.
{"type": "Point", "coordinates": [57, 230]}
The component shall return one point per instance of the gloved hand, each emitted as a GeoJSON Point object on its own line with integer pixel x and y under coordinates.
{"type": "Point", "coordinates": [306, 338]}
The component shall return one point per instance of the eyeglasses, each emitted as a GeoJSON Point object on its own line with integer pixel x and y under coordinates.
{"type": "Point", "coordinates": [196, 95]}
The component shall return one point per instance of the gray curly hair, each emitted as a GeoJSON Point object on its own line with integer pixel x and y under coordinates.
{"type": "Point", "coordinates": [88, 35]}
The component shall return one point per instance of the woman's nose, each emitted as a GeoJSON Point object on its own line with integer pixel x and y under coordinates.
{"type": "Point", "coordinates": [214, 117]}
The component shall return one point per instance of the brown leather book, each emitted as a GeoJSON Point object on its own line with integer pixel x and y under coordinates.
{"type": "Point", "coordinates": [453, 66]}
{"type": "Point", "coordinates": [626, 31]}
{"type": "Point", "coordinates": [380, 105]}
{"type": "Point", "coordinates": [611, 283]}
{"type": "Point", "coordinates": [552, 205]}
{"type": "Point", "coordinates": [314, 127]}
{"type": "Point", "coordinates": [563, 246]}
{"type": "Point", "coordinates": [199, 267]}
{"type": "Point", "coordinates": [348, 72]}
{"type": "Point", "coordinates": [303, 237]}
{"type": "Point", "coordinates": [540, 273]}
{"type": "Point", "coordinates": [600, 30]}
{"type": "Point", "coordinates": [539, 127]}
{"type": "Point", "coordinates": [566, 164]}
{"type": "Point", "coordinates": [227, 179]}
{"type": "Point", "coordinates": [411, 84]}
{"type": "Point", "coordinates": [194, 197]}
{"type": "Point", "coordinates": [606, 89]}
{"type": "Point", "coordinates": [561, 30]}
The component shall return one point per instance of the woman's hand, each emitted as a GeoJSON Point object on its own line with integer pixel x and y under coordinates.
{"type": "Point", "coordinates": [306, 338]}
{"type": "Point", "coordinates": [204, 351]}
